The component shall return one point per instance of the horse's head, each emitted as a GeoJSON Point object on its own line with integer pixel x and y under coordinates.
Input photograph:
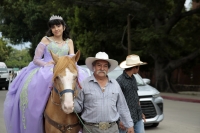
{"type": "Point", "coordinates": [65, 78]}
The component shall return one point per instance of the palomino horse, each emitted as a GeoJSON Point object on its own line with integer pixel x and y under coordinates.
{"type": "Point", "coordinates": [59, 115]}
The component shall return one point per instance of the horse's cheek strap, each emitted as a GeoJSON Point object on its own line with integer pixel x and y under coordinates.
{"type": "Point", "coordinates": [66, 91]}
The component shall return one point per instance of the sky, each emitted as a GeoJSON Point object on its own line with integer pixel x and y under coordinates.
{"type": "Point", "coordinates": [188, 4]}
{"type": "Point", "coordinates": [27, 45]}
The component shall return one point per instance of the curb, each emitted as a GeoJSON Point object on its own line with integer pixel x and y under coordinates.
{"type": "Point", "coordinates": [181, 99]}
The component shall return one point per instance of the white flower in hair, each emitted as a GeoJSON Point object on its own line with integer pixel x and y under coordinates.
{"type": "Point", "coordinates": [55, 17]}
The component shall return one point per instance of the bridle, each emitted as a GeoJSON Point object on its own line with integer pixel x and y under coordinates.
{"type": "Point", "coordinates": [60, 94]}
{"type": "Point", "coordinates": [63, 92]}
{"type": "Point", "coordinates": [62, 127]}
{"type": "Point", "coordinates": [59, 126]}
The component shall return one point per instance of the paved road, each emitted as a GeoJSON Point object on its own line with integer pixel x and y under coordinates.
{"type": "Point", "coordinates": [180, 117]}
{"type": "Point", "coordinates": [2, 98]}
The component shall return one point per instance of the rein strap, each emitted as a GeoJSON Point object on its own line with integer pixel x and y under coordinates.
{"type": "Point", "coordinates": [63, 128]}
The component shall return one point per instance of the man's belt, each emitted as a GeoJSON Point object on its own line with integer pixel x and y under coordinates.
{"type": "Point", "coordinates": [101, 125]}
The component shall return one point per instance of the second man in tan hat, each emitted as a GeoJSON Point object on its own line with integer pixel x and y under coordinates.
{"type": "Point", "coordinates": [129, 88]}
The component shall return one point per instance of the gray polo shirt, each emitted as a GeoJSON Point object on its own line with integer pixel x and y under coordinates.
{"type": "Point", "coordinates": [97, 106]}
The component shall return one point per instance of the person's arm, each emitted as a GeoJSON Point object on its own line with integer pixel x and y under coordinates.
{"type": "Point", "coordinates": [143, 116]}
{"type": "Point", "coordinates": [39, 52]}
{"type": "Point", "coordinates": [121, 125]}
{"type": "Point", "coordinates": [78, 101]}
{"type": "Point", "coordinates": [123, 109]}
{"type": "Point", "coordinates": [71, 47]}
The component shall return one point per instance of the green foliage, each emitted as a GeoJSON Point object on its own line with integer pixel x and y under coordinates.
{"type": "Point", "coordinates": [97, 29]}
{"type": "Point", "coordinates": [18, 58]}
{"type": "Point", "coordinates": [99, 26]}
{"type": "Point", "coordinates": [4, 50]}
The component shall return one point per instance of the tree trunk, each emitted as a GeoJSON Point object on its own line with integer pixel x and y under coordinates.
{"type": "Point", "coordinates": [162, 78]}
{"type": "Point", "coordinates": [163, 82]}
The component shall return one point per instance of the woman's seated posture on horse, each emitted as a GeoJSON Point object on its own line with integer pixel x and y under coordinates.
{"type": "Point", "coordinates": [28, 94]}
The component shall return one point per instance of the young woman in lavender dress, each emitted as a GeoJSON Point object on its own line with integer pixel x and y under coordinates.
{"type": "Point", "coordinates": [28, 93]}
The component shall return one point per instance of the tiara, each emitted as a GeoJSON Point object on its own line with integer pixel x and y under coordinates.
{"type": "Point", "coordinates": [55, 17]}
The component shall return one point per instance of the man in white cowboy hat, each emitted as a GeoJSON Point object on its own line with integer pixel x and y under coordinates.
{"type": "Point", "coordinates": [101, 101]}
{"type": "Point", "coordinates": [129, 88]}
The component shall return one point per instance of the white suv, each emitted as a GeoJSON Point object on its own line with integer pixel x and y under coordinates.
{"type": "Point", "coordinates": [4, 76]}
{"type": "Point", "coordinates": [150, 100]}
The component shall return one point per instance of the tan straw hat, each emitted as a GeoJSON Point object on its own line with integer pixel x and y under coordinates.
{"type": "Point", "coordinates": [101, 56]}
{"type": "Point", "coordinates": [131, 61]}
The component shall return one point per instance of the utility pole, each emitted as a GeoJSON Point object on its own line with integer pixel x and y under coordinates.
{"type": "Point", "coordinates": [129, 33]}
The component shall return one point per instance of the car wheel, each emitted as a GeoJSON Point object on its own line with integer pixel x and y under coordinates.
{"type": "Point", "coordinates": [154, 124]}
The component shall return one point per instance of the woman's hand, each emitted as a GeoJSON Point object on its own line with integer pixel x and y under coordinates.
{"type": "Point", "coordinates": [49, 63]}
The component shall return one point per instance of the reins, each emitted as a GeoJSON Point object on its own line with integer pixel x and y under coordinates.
{"type": "Point", "coordinates": [62, 127]}
{"type": "Point", "coordinates": [82, 122]}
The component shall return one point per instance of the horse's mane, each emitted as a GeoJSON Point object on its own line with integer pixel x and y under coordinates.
{"type": "Point", "coordinates": [62, 63]}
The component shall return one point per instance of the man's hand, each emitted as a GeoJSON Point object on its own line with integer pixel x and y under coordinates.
{"type": "Point", "coordinates": [143, 117]}
{"type": "Point", "coordinates": [130, 130]}
{"type": "Point", "coordinates": [121, 126]}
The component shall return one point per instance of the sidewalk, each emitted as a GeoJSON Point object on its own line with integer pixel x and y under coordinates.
{"type": "Point", "coordinates": [187, 96]}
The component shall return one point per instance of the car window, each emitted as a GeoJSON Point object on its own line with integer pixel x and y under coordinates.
{"type": "Point", "coordinates": [139, 80]}
{"type": "Point", "coordinates": [115, 74]}
{"type": "Point", "coordinates": [118, 71]}
{"type": "Point", "coordinates": [2, 66]}
{"type": "Point", "coordinates": [3, 70]}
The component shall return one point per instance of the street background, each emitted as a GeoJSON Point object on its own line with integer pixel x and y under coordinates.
{"type": "Point", "coordinates": [181, 113]}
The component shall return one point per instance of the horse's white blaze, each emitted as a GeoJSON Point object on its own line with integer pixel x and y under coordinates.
{"type": "Point", "coordinates": [67, 81]}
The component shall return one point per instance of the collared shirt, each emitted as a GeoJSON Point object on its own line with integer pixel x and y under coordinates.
{"type": "Point", "coordinates": [97, 106]}
{"type": "Point", "coordinates": [129, 88]}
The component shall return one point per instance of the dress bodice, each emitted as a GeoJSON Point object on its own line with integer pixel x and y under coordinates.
{"type": "Point", "coordinates": [58, 50]}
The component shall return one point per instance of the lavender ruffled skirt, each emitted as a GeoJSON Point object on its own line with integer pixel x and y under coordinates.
{"type": "Point", "coordinates": [26, 99]}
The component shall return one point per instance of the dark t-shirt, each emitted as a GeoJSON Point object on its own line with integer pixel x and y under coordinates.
{"type": "Point", "coordinates": [129, 88]}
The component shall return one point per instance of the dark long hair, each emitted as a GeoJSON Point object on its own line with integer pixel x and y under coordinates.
{"type": "Point", "coordinates": [58, 22]}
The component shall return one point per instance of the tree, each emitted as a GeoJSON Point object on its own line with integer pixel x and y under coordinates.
{"type": "Point", "coordinates": [160, 35]}
{"type": "Point", "coordinates": [156, 27]}
{"type": "Point", "coordinates": [18, 58]}
{"type": "Point", "coordinates": [159, 29]}
{"type": "Point", "coordinates": [26, 21]}
{"type": "Point", "coordinates": [4, 50]}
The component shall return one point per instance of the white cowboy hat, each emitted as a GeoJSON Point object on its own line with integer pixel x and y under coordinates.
{"type": "Point", "coordinates": [101, 56]}
{"type": "Point", "coordinates": [131, 61]}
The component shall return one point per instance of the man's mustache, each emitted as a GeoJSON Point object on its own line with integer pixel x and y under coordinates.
{"type": "Point", "coordinates": [101, 72]}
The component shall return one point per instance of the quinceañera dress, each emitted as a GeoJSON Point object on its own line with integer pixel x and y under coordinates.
{"type": "Point", "coordinates": [28, 93]}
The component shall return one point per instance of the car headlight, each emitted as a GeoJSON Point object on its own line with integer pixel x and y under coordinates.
{"type": "Point", "coordinates": [156, 95]}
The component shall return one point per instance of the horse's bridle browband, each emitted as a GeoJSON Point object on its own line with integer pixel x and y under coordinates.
{"type": "Point", "coordinates": [63, 92]}
{"type": "Point", "coordinates": [63, 128]}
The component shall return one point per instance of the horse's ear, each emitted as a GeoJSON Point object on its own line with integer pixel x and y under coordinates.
{"type": "Point", "coordinates": [54, 56]}
{"type": "Point", "coordinates": [77, 56]}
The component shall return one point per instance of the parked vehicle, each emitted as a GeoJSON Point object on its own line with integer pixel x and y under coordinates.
{"type": "Point", "coordinates": [150, 100]}
{"type": "Point", "coordinates": [4, 76]}
{"type": "Point", "coordinates": [15, 72]}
